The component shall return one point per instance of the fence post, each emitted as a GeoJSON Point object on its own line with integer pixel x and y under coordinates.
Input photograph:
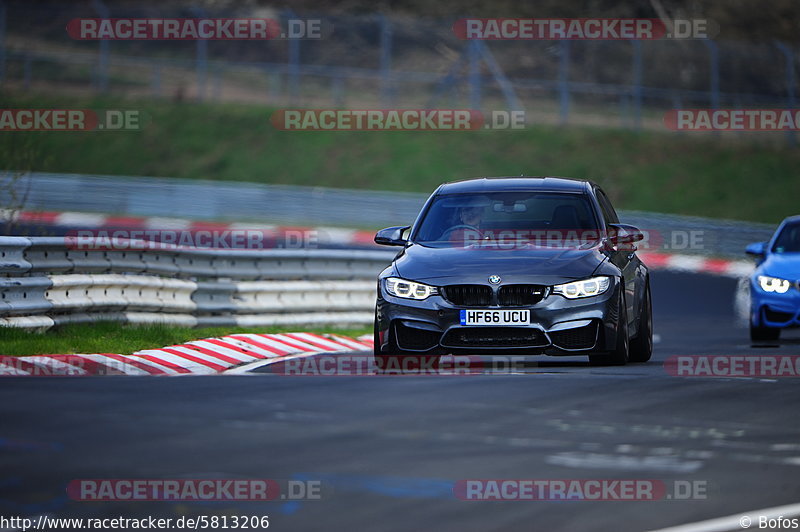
{"type": "Point", "coordinates": [386, 61]}
{"type": "Point", "coordinates": [294, 63]}
{"type": "Point", "coordinates": [337, 92]}
{"type": "Point", "coordinates": [27, 71]}
{"type": "Point", "coordinates": [217, 86]}
{"type": "Point", "coordinates": [101, 74]}
{"type": "Point", "coordinates": [637, 84]}
{"type": "Point", "coordinates": [201, 58]}
{"type": "Point", "coordinates": [474, 75]}
{"type": "Point", "coordinates": [2, 41]}
{"type": "Point", "coordinates": [505, 85]}
{"type": "Point", "coordinates": [788, 55]}
{"type": "Point", "coordinates": [156, 80]}
{"type": "Point", "coordinates": [713, 50]}
{"type": "Point", "coordinates": [563, 81]}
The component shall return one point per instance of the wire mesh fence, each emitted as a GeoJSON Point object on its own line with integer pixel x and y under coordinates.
{"type": "Point", "coordinates": [374, 61]}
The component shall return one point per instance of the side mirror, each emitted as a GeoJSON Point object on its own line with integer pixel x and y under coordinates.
{"type": "Point", "coordinates": [624, 235]}
{"type": "Point", "coordinates": [392, 236]}
{"type": "Point", "coordinates": [757, 249]}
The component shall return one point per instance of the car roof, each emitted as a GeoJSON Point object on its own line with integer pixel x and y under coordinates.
{"type": "Point", "coordinates": [791, 219]}
{"type": "Point", "coordinates": [501, 184]}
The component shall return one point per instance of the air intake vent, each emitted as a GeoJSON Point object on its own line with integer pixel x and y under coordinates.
{"type": "Point", "coordinates": [494, 337]}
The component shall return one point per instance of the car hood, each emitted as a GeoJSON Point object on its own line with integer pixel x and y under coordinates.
{"type": "Point", "coordinates": [783, 265]}
{"type": "Point", "coordinates": [537, 265]}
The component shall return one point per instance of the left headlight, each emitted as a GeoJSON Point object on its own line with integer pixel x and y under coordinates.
{"type": "Point", "coordinates": [584, 288]}
{"type": "Point", "coordinates": [409, 289]}
{"type": "Point", "coordinates": [774, 284]}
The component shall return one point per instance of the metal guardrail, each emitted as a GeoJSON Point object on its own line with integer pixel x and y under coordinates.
{"type": "Point", "coordinates": [46, 281]}
{"type": "Point", "coordinates": [145, 196]}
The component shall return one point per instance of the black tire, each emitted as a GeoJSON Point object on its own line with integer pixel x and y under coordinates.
{"type": "Point", "coordinates": [641, 348]}
{"type": "Point", "coordinates": [763, 334]}
{"type": "Point", "coordinates": [621, 353]}
{"type": "Point", "coordinates": [376, 344]}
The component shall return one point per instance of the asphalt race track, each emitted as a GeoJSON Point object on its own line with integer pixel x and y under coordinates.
{"type": "Point", "coordinates": [388, 450]}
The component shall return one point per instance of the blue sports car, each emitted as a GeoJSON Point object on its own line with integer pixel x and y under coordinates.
{"type": "Point", "coordinates": [775, 285]}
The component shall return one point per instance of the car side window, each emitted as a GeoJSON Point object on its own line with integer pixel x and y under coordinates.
{"type": "Point", "coordinates": [609, 213]}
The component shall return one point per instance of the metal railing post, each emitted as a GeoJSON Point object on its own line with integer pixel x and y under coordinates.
{"type": "Point", "coordinates": [2, 41]}
{"type": "Point", "coordinates": [386, 61]}
{"type": "Point", "coordinates": [294, 63]}
{"type": "Point", "coordinates": [713, 51]}
{"type": "Point", "coordinates": [637, 84]}
{"type": "Point", "coordinates": [27, 71]}
{"type": "Point", "coordinates": [788, 55]}
{"type": "Point", "coordinates": [474, 75]}
{"type": "Point", "coordinates": [101, 72]}
{"type": "Point", "coordinates": [563, 82]}
{"type": "Point", "coordinates": [201, 58]}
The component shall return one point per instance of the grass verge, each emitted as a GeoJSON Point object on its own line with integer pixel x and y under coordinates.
{"type": "Point", "coordinates": [126, 339]}
{"type": "Point", "coordinates": [694, 174]}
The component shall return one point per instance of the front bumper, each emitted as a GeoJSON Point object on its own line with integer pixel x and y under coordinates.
{"type": "Point", "coordinates": [774, 310]}
{"type": "Point", "coordinates": [559, 326]}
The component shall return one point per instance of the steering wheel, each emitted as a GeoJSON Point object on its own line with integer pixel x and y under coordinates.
{"type": "Point", "coordinates": [455, 228]}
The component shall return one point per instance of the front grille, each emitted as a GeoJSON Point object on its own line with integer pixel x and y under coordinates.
{"type": "Point", "coordinates": [577, 338]}
{"type": "Point", "coordinates": [468, 295]}
{"type": "Point", "coordinates": [777, 316]}
{"type": "Point", "coordinates": [494, 337]}
{"type": "Point", "coordinates": [415, 339]}
{"type": "Point", "coordinates": [520, 295]}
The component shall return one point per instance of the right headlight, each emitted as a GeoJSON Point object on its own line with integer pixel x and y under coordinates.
{"type": "Point", "coordinates": [773, 284]}
{"type": "Point", "coordinates": [409, 289]}
{"type": "Point", "coordinates": [593, 286]}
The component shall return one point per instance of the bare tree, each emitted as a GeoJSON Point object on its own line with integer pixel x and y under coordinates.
{"type": "Point", "coordinates": [18, 155]}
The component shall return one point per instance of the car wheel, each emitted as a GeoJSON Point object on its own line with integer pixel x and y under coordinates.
{"type": "Point", "coordinates": [763, 334]}
{"type": "Point", "coordinates": [641, 348]}
{"type": "Point", "coordinates": [621, 353]}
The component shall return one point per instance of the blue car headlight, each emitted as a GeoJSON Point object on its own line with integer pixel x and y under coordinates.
{"type": "Point", "coordinates": [409, 289]}
{"type": "Point", "coordinates": [774, 284]}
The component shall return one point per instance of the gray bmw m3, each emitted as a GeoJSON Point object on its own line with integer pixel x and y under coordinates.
{"type": "Point", "coordinates": [522, 265]}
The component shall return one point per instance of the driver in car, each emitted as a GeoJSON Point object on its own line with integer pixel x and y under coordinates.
{"type": "Point", "coordinates": [467, 229]}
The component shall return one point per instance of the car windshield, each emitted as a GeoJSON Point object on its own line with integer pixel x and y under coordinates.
{"type": "Point", "coordinates": [509, 219]}
{"type": "Point", "coordinates": [788, 240]}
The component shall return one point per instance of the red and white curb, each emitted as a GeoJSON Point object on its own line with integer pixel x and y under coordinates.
{"type": "Point", "coordinates": [200, 357]}
{"type": "Point", "coordinates": [697, 264]}
{"type": "Point", "coordinates": [102, 222]}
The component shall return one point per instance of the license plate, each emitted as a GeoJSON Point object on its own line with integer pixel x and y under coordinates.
{"type": "Point", "coordinates": [495, 317]}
